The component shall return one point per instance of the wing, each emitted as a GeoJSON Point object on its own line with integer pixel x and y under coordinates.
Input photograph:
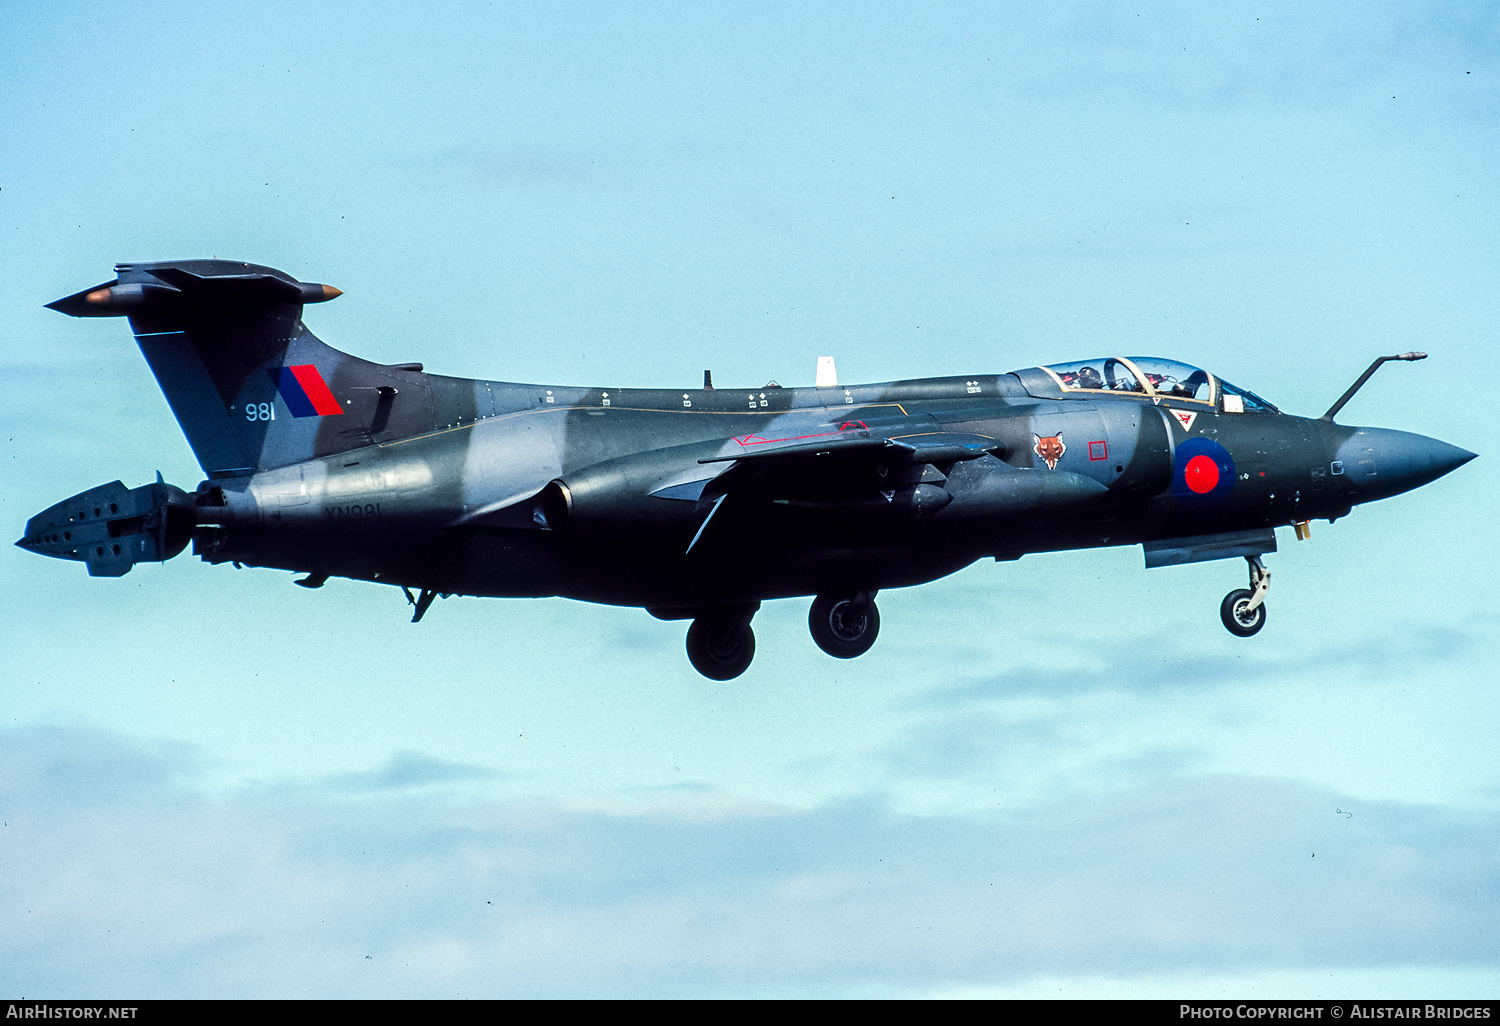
{"type": "Point", "coordinates": [899, 464]}
{"type": "Point", "coordinates": [927, 447]}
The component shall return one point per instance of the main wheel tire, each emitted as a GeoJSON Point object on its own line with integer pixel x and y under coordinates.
{"type": "Point", "coordinates": [1238, 619]}
{"type": "Point", "coordinates": [719, 648]}
{"type": "Point", "coordinates": [839, 631]}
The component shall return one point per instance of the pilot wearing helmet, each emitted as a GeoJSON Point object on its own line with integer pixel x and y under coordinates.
{"type": "Point", "coordinates": [1088, 378]}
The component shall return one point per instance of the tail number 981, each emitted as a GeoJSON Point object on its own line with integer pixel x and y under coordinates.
{"type": "Point", "coordinates": [260, 411]}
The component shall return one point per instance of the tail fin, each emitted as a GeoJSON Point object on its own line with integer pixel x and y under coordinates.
{"type": "Point", "coordinates": [251, 387]}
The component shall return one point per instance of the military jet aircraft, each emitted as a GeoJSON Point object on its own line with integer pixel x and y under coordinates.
{"type": "Point", "coordinates": [694, 504]}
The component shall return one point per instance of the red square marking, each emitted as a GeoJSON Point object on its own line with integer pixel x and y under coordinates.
{"type": "Point", "coordinates": [1098, 451]}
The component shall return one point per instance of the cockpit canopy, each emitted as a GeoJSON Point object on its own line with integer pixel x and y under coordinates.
{"type": "Point", "coordinates": [1141, 377]}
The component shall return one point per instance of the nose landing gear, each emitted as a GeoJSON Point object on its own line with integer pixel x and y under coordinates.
{"type": "Point", "coordinates": [1244, 612]}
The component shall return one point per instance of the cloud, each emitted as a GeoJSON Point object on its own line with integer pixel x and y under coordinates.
{"type": "Point", "coordinates": [121, 879]}
{"type": "Point", "coordinates": [411, 770]}
{"type": "Point", "coordinates": [1108, 716]}
{"type": "Point", "coordinates": [1160, 663]}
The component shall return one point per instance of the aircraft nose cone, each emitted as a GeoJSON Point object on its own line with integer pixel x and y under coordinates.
{"type": "Point", "coordinates": [1381, 462]}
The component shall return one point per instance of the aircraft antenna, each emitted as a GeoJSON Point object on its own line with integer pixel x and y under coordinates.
{"type": "Point", "coordinates": [1336, 407]}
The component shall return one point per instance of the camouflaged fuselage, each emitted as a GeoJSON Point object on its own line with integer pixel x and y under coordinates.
{"type": "Point", "coordinates": [457, 508]}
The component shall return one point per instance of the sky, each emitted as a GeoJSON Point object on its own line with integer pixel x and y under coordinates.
{"type": "Point", "coordinates": [1052, 777]}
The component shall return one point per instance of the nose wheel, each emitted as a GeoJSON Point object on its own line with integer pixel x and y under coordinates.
{"type": "Point", "coordinates": [1244, 611]}
{"type": "Point", "coordinates": [844, 626]}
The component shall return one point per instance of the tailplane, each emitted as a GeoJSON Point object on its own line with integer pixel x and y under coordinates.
{"type": "Point", "coordinates": [252, 388]}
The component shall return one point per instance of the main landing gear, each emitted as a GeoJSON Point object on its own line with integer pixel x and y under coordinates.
{"type": "Point", "coordinates": [844, 626]}
{"type": "Point", "coordinates": [1244, 612]}
{"type": "Point", "coordinates": [720, 643]}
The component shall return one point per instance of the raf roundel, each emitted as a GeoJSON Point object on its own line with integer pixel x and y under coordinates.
{"type": "Point", "coordinates": [1201, 474]}
{"type": "Point", "coordinates": [1204, 472]}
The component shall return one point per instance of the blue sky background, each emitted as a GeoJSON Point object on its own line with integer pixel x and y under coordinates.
{"type": "Point", "coordinates": [1058, 776]}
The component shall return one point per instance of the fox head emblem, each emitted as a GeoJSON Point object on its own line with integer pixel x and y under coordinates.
{"type": "Point", "coordinates": [1050, 449]}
